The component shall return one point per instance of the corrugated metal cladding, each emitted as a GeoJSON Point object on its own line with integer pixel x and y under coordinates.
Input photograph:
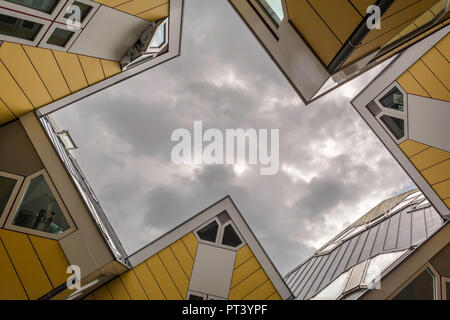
{"type": "Point", "coordinates": [401, 230]}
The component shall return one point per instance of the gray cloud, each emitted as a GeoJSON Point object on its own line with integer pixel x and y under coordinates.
{"type": "Point", "coordinates": [333, 168]}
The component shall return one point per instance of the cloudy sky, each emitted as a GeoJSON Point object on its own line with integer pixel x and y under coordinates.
{"type": "Point", "coordinates": [333, 168]}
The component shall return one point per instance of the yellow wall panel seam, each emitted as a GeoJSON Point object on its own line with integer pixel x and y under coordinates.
{"type": "Point", "coordinates": [128, 285]}
{"type": "Point", "coordinates": [274, 296]}
{"type": "Point", "coordinates": [140, 283]}
{"type": "Point", "coordinates": [411, 85]}
{"type": "Point", "coordinates": [271, 291]}
{"type": "Point", "coordinates": [155, 13]}
{"type": "Point", "coordinates": [181, 287]}
{"type": "Point", "coordinates": [429, 81]}
{"type": "Point", "coordinates": [60, 70]}
{"type": "Point", "coordinates": [440, 170]}
{"type": "Point", "coordinates": [308, 1]}
{"type": "Point", "coordinates": [444, 44]}
{"type": "Point", "coordinates": [118, 290]}
{"type": "Point", "coordinates": [182, 254]}
{"type": "Point", "coordinates": [40, 260]}
{"type": "Point", "coordinates": [245, 278]}
{"type": "Point", "coordinates": [126, 289]}
{"type": "Point", "coordinates": [14, 268]}
{"type": "Point", "coordinates": [431, 70]}
{"type": "Point", "coordinates": [417, 80]}
{"type": "Point", "coordinates": [151, 282]}
{"type": "Point", "coordinates": [244, 271]}
{"type": "Point", "coordinates": [179, 263]}
{"type": "Point", "coordinates": [6, 114]}
{"type": "Point", "coordinates": [160, 5]}
{"type": "Point", "coordinates": [164, 272]}
{"type": "Point", "coordinates": [15, 81]}
{"type": "Point", "coordinates": [442, 189]}
{"type": "Point", "coordinates": [34, 67]}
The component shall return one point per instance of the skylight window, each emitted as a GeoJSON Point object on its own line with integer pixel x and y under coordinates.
{"type": "Point", "coordinates": [209, 233]}
{"type": "Point", "coordinates": [221, 232]}
{"type": "Point", "coordinates": [393, 100]}
{"type": "Point", "coordinates": [274, 9]}
{"type": "Point", "coordinates": [159, 37]}
{"type": "Point", "coordinates": [395, 125]}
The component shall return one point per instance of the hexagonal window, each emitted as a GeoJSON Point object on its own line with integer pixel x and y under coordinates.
{"type": "Point", "coordinates": [209, 232]}
{"type": "Point", "coordinates": [393, 100]}
{"type": "Point", "coordinates": [395, 125]}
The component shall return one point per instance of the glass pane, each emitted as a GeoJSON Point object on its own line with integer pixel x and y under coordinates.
{"type": "Point", "coordinates": [393, 100]}
{"type": "Point", "coordinates": [60, 37]}
{"type": "Point", "coordinates": [195, 297]}
{"type": "Point", "coordinates": [421, 288]}
{"type": "Point", "coordinates": [447, 288]}
{"type": "Point", "coordinates": [6, 188]}
{"type": "Point", "coordinates": [159, 37]}
{"type": "Point", "coordinates": [230, 237]}
{"type": "Point", "coordinates": [379, 264]}
{"type": "Point", "coordinates": [39, 210]}
{"type": "Point", "coordinates": [395, 125]}
{"type": "Point", "coordinates": [274, 9]}
{"type": "Point", "coordinates": [209, 233]}
{"type": "Point", "coordinates": [18, 28]}
{"type": "Point", "coordinates": [46, 6]}
{"type": "Point", "coordinates": [83, 8]}
{"type": "Point", "coordinates": [334, 289]}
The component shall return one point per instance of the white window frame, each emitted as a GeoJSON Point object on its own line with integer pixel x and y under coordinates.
{"type": "Point", "coordinates": [218, 242]}
{"type": "Point", "coordinates": [45, 25]}
{"type": "Point", "coordinates": [13, 195]}
{"type": "Point", "coordinates": [50, 31]}
{"type": "Point", "coordinates": [9, 225]}
{"type": "Point", "coordinates": [403, 115]}
{"type": "Point", "coordinates": [34, 12]}
{"type": "Point", "coordinates": [444, 281]}
{"type": "Point", "coordinates": [265, 15]}
{"type": "Point", "coordinates": [165, 23]}
{"type": "Point", "coordinates": [60, 18]}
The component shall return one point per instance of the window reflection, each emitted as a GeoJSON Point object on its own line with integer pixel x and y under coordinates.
{"type": "Point", "coordinates": [18, 28]}
{"type": "Point", "coordinates": [39, 209]}
{"type": "Point", "coordinates": [274, 9]}
{"type": "Point", "coordinates": [421, 288]}
{"type": "Point", "coordinates": [45, 6]}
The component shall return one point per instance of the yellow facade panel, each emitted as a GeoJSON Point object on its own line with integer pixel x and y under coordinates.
{"type": "Point", "coordinates": [72, 71]}
{"type": "Point", "coordinates": [89, 297]}
{"type": "Point", "coordinates": [155, 13]}
{"type": "Point", "coordinates": [429, 157]}
{"type": "Point", "coordinates": [339, 15]}
{"type": "Point", "coordinates": [92, 69]}
{"type": "Point", "coordinates": [16, 61]}
{"type": "Point", "coordinates": [243, 255]}
{"type": "Point", "coordinates": [248, 285]}
{"type": "Point", "coordinates": [426, 17]}
{"type": "Point", "coordinates": [429, 81]}
{"type": "Point", "coordinates": [443, 189]}
{"type": "Point", "coordinates": [163, 278]}
{"type": "Point", "coordinates": [275, 296]}
{"type": "Point", "coordinates": [133, 286]}
{"type": "Point", "coordinates": [102, 293]}
{"type": "Point", "coordinates": [148, 282]}
{"type": "Point", "coordinates": [411, 85]}
{"type": "Point", "coordinates": [416, 7]}
{"type": "Point", "coordinates": [135, 7]}
{"type": "Point", "coordinates": [447, 202]}
{"type": "Point", "coordinates": [26, 263]}
{"type": "Point", "coordinates": [175, 270]}
{"type": "Point", "coordinates": [10, 286]}
{"type": "Point", "coordinates": [110, 68]}
{"type": "Point", "coordinates": [191, 243]}
{"type": "Point", "coordinates": [244, 271]}
{"type": "Point", "coordinates": [52, 258]}
{"type": "Point", "coordinates": [314, 30]}
{"type": "Point", "coordinates": [438, 172]}
{"type": "Point", "coordinates": [111, 3]}
{"type": "Point", "coordinates": [45, 64]}
{"type": "Point", "coordinates": [362, 5]}
{"type": "Point", "coordinates": [117, 290]}
{"type": "Point", "coordinates": [263, 292]}
{"type": "Point", "coordinates": [438, 65]}
{"type": "Point", "coordinates": [444, 47]}
{"type": "Point", "coordinates": [5, 114]}
{"type": "Point", "coordinates": [183, 256]}
{"type": "Point", "coordinates": [411, 147]}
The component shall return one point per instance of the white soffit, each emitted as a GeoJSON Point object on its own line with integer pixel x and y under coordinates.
{"type": "Point", "coordinates": [212, 271]}
{"type": "Point", "coordinates": [428, 121]}
{"type": "Point", "coordinates": [109, 34]}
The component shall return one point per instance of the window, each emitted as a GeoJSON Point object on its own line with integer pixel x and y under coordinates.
{"type": "Point", "coordinates": [60, 37]}
{"type": "Point", "coordinates": [195, 297]}
{"type": "Point", "coordinates": [19, 28]}
{"type": "Point", "coordinates": [6, 189]}
{"type": "Point", "coordinates": [209, 233]}
{"type": "Point", "coordinates": [39, 210]}
{"type": "Point", "coordinates": [421, 288]}
{"type": "Point", "coordinates": [447, 290]}
{"type": "Point", "coordinates": [76, 7]}
{"type": "Point", "coordinates": [46, 6]}
{"type": "Point", "coordinates": [159, 37]}
{"type": "Point", "coordinates": [393, 100]}
{"type": "Point", "coordinates": [395, 125]}
{"type": "Point", "coordinates": [274, 9]}
{"type": "Point", "coordinates": [221, 232]}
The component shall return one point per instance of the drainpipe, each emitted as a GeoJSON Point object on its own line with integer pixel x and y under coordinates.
{"type": "Point", "coordinates": [356, 38]}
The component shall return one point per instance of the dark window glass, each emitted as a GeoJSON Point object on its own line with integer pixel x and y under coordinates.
{"type": "Point", "coordinates": [39, 210]}
{"type": "Point", "coordinates": [195, 297]}
{"type": "Point", "coordinates": [72, 11]}
{"type": "Point", "coordinates": [230, 237]}
{"type": "Point", "coordinates": [393, 100]}
{"type": "Point", "coordinates": [421, 288]}
{"type": "Point", "coordinates": [395, 125]}
{"type": "Point", "coordinates": [46, 6]}
{"type": "Point", "coordinates": [6, 188]}
{"type": "Point", "coordinates": [447, 288]}
{"type": "Point", "coordinates": [60, 37]}
{"type": "Point", "coordinates": [209, 233]}
{"type": "Point", "coordinates": [373, 108]}
{"type": "Point", "coordinates": [18, 28]}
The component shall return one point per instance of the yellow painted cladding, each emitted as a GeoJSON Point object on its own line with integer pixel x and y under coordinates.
{"type": "Point", "coordinates": [433, 164]}
{"type": "Point", "coordinates": [32, 77]}
{"type": "Point", "coordinates": [249, 281]}
{"type": "Point", "coordinates": [30, 266]}
{"type": "Point", "coordinates": [151, 10]}
{"type": "Point", "coordinates": [164, 276]}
